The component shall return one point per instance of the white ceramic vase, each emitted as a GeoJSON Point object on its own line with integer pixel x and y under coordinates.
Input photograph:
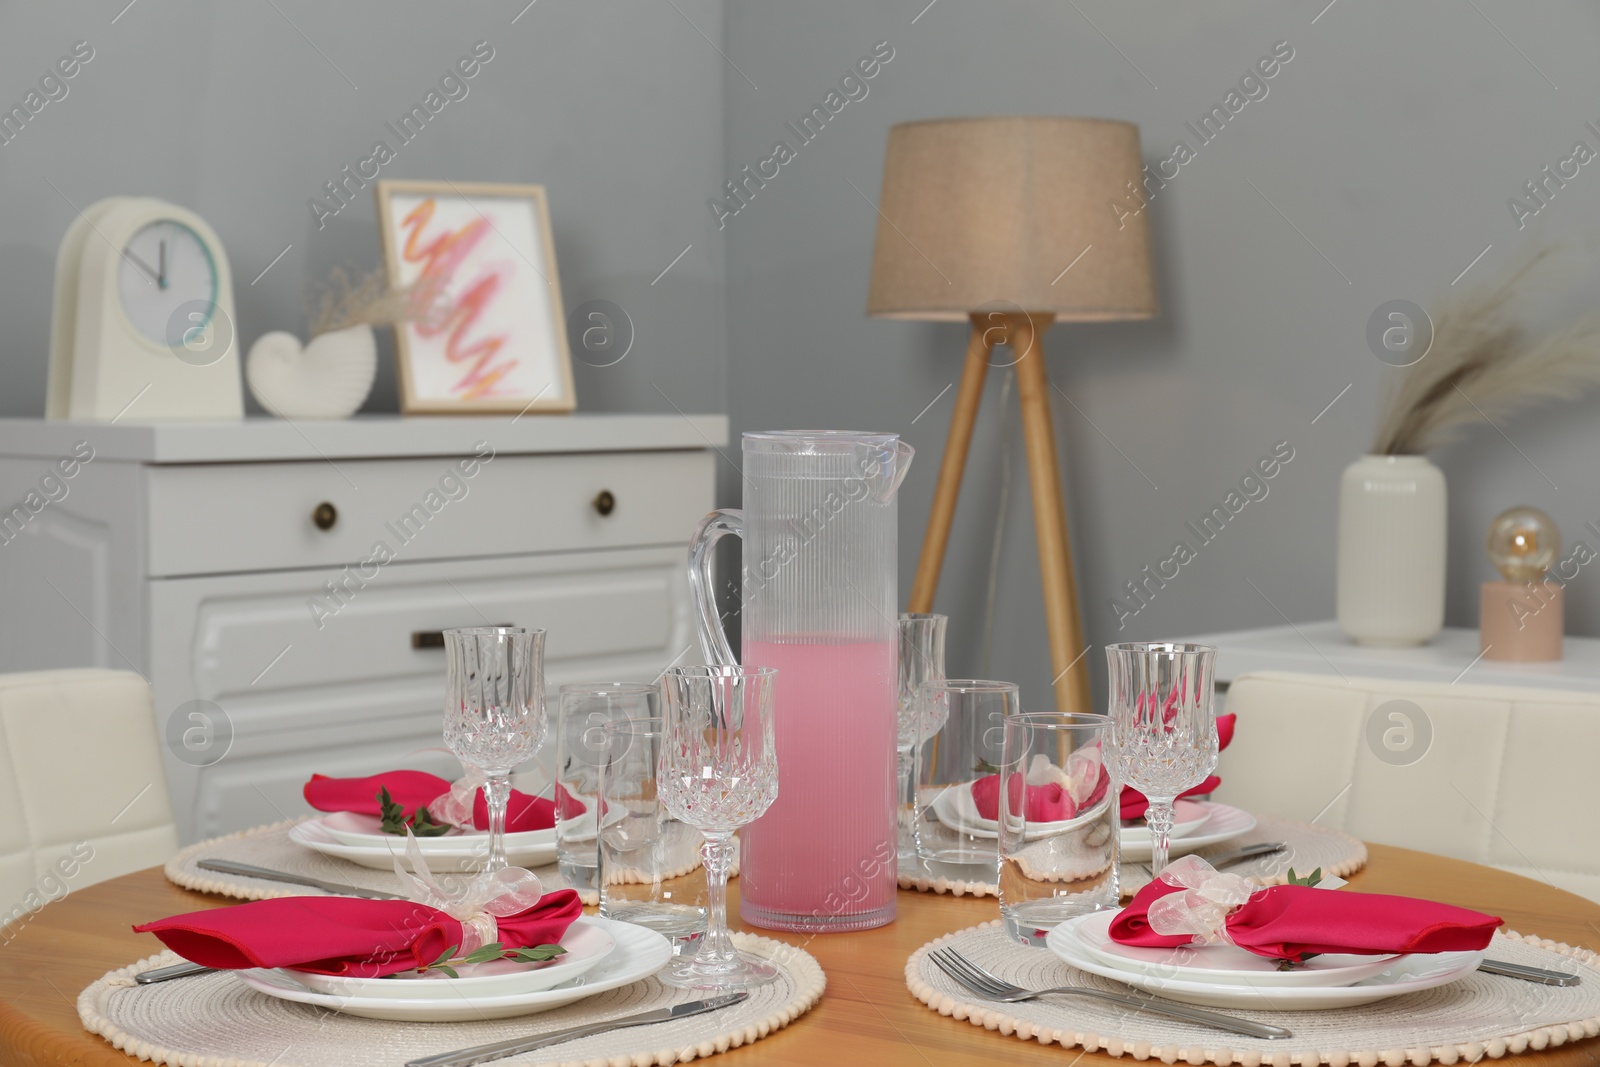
{"type": "Point", "coordinates": [1392, 545]}
{"type": "Point", "coordinates": [326, 379]}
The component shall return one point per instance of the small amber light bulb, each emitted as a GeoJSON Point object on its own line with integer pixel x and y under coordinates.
{"type": "Point", "coordinates": [1523, 543]}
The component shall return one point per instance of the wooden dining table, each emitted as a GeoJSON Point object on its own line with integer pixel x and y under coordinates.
{"type": "Point", "coordinates": [866, 1016]}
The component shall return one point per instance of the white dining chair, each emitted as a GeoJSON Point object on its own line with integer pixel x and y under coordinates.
{"type": "Point", "coordinates": [1505, 777]}
{"type": "Point", "coordinates": [83, 796]}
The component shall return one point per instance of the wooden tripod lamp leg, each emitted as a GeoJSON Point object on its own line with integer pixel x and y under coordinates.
{"type": "Point", "coordinates": [937, 536]}
{"type": "Point", "coordinates": [1067, 663]}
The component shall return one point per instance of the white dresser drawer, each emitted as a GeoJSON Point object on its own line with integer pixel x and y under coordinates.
{"type": "Point", "coordinates": [353, 694]}
{"type": "Point", "coordinates": [226, 518]}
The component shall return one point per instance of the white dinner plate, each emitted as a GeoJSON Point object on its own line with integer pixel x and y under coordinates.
{"type": "Point", "coordinates": [1223, 963]}
{"type": "Point", "coordinates": [366, 831]}
{"type": "Point", "coordinates": [461, 853]}
{"type": "Point", "coordinates": [587, 947]}
{"type": "Point", "coordinates": [639, 953]}
{"type": "Point", "coordinates": [955, 808]}
{"type": "Point", "coordinates": [1406, 974]}
{"type": "Point", "coordinates": [1224, 823]}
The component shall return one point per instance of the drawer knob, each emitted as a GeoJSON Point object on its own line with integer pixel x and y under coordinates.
{"type": "Point", "coordinates": [605, 503]}
{"type": "Point", "coordinates": [324, 515]}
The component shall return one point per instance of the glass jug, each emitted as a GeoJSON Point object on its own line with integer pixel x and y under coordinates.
{"type": "Point", "coordinates": [820, 603]}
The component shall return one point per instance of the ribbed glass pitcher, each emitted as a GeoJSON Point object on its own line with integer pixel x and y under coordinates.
{"type": "Point", "coordinates": [820, 601]}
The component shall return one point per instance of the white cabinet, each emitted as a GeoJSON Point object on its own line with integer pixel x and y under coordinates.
{"type": "Point", "coordinates": [292, 580]}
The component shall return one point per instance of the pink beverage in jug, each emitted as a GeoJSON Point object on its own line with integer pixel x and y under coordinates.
{"type": "Point", "coordinates": [823, 856]}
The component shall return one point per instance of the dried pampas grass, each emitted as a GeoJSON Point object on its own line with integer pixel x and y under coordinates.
{"type": "Point", "coordinates": [1484, 366]}
{"type": "Point", "coordinates": [342, 302]}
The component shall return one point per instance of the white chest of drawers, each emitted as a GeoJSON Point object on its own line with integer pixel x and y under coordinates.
{"type": "Point", "coordinates": [287, 582]}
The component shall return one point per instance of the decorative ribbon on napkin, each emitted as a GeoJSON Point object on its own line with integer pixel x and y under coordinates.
{"type": "Point", "coordinates": [1054, 794]}
{"type": "Point", "coordinates": [1192, 903]}
{"type": "Point", "coordinates": [359, 938]}
{"type": "Point", "coordinates": [478, 903]}
{"type": "Point", "coordinates": [1134, 803]}
{"type": "Point", "coordinates": [460, 804]}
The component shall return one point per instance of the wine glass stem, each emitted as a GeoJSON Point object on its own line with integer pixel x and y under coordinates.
{"type": "Point", "coordinates": [1159, 818]}
{"type": "Point", "coordinates": [717, 950]}
{"type": "Point", "coordinates": [903, 762]}
{"type": "Point", "coordinates": [496, 796]}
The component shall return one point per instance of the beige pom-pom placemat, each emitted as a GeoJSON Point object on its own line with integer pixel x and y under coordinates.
{"type": "Point", "coordinates": [1309, 847]}
{"type": "Point", "coordinates": [1480, 1015]}
{"type": "Point", "coordinates": [215, 1020]}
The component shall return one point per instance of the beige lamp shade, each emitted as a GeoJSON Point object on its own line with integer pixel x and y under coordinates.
{"type": "Point", "coordinates": [991, 212]}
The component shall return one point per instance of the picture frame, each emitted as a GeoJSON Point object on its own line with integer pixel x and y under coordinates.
{"type": "Point", "coordinates": [481, 253]}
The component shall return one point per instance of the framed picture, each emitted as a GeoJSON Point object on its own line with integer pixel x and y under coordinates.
{"type": "Point", "coordinates": [480, 255]}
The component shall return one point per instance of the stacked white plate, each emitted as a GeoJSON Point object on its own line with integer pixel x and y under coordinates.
{"type": "Point", "coordinates": [1196, 824]}
{"type": "Point", "coordinates": [360, 839]}
{"type": "Point", "coordinates": [601, 954]}
{"type": "Point", "coordinates": [1223, 976]}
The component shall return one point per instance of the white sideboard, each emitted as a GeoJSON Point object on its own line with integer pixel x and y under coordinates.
{"type": "Point", "coordinates": [1453, 656]}
{"type": "Point", "coordinates": [287, 582]}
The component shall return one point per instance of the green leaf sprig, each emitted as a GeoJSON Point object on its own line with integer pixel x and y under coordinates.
{"type": "Point", "coordinates": [448, 962]}
{"type": "Point", "coordinates": [1311, 879]}
{"type": "Point", "coordinates": [395, 822]}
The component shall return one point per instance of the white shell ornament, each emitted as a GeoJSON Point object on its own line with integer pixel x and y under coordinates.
{"type": "Point", "coordinates": [326, 379]}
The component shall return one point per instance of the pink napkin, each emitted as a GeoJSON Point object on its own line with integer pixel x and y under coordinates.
{"type": "Point", "coordinates": [1047, 802]}
{"type": "Point", "coordinates": [345, 935]}
{"type": "Point", "coordinates": [419, 789]}
{"type": "Point", "coordinates": [1290, 922]}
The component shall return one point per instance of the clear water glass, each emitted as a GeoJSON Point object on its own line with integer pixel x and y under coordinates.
{"type": "Point", "coordinates": [650, 868]}
{"type": "Point", "coordinates": [583, 710]}
{"type": "Point", "coordinates": [494, 714]}
{"type": "Point", "coordinates": [718, 771]}
{"type": "Point", "coordinates": [921, 661]}
{"type": "Point", "coordinates": [1163, 733]}
{"type": "Point", "coordinates": [965, 717]}
{"type": "Point", "coordinates": [1053, 869]}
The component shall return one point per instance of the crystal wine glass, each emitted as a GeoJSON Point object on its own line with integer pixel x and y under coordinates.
{"type": "Point", "coordinates": [494, 716]}
{"type": "Point", "coordinates": [1163, 734]}
{"type": "Point", "coordinates": [921, 660]}
{"type": "Point", "coordinates": [718, 771]}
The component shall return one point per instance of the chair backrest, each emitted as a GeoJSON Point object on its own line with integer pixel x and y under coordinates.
{"type": "Point", "coordinates": [83, 795]}
{"type": "Point", "coordinates": [1501, 776]}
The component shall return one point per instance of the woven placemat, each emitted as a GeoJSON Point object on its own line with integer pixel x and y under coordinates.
{"type": "Point", "coordinates": [269, 846]}
{"type": "Point", "coordinates": [1479, 1015]}
{"type": "Point", "coordinates": [1310, 847]}
{"type": "Point", "coordinates": [215, 1020]}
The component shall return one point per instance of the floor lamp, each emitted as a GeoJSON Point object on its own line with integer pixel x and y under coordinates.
{"type": "Point", "coordinates": [1013, 224]}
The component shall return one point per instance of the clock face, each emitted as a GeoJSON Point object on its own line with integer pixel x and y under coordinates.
{"type": "Point", "coordinates": [167, 281]}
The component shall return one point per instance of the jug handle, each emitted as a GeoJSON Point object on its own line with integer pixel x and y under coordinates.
{"type": "Point", "coordinates": [713, 528]}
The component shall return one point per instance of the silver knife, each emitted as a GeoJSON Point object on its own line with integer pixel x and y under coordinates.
{"type": "Point", "coordinates": [518, 1045]}
{"type": "Point", "coordinates": [267, 873]}
{"type": "Point", "coordinates": [1529, 974]}
{"type": "Point", "coordinates": [166, 974]}
{"type": "Point", "coordinates": [1248, 852]}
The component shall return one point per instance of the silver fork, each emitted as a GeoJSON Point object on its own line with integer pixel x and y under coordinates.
{"type": "Point", "coordinates": [992, 987]}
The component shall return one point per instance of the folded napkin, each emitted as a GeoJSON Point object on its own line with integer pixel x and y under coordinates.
{"type": "Point", "coordinates": [419, 789]}
{"type": "Point", "coordinates": [1192, 903]}
{"type": "Point", "coordinates": [1053, 794]}
{"type": "Point", "coordinates": [1134, 803]}
{"type": "Point", "coordinates": [347, 936]}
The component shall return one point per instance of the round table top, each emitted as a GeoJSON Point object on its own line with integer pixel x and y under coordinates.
{"type": "Point", "coordinates": [867, 1015]}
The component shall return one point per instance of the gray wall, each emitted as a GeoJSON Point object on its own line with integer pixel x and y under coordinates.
{"type": "Point", "coordinates": [227, 109]}
{"type": "Point", "coordinates": [1391, 141]}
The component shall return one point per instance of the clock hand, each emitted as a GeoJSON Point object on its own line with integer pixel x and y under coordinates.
{"type": "Point", "coordinates": [143, 266]}
{"type": "Point", "coordinates": [161, 282]}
